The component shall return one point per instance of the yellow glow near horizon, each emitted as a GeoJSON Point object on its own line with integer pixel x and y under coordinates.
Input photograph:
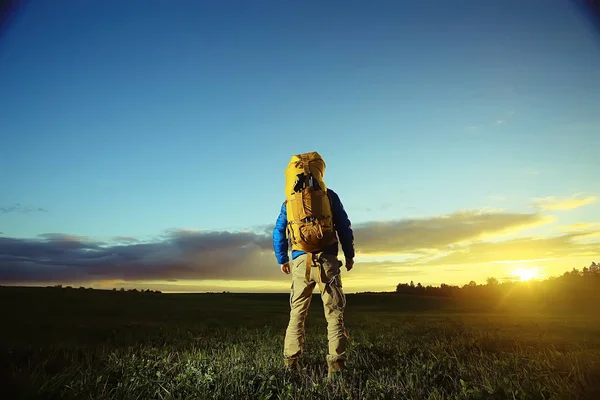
{"type": "Point", "coordinates": [526, 274]}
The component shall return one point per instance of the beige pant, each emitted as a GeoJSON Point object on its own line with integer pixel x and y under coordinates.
{"type": "Point", "coordinates": [324, 270]}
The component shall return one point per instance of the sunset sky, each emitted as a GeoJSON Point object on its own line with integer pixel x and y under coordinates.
{"type": "Point", "coordinates": [143, 143]}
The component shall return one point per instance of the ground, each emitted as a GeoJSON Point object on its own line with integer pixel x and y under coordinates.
{"type": "Point", "coordinates": [89, 344]}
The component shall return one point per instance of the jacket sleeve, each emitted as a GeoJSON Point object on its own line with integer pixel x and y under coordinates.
{"type": "Point", "coordinates": [342, 224]}
{"type": "Point", "coordinates": [280, 242]}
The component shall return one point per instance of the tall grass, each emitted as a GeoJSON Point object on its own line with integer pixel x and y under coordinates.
{"type": "Point", "coordinates": [87, 345]}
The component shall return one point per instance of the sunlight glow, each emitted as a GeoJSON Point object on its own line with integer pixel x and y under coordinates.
{"type": "Point", "coordinates": [526, 274]}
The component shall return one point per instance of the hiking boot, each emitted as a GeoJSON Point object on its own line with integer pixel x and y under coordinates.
{"type": "Point", "coordinates": [291, 364]}
{"type": "Point", "coordinates": [335, 369]}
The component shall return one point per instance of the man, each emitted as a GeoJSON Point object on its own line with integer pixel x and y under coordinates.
{"type": "Point", "coordinates": [316, 262]}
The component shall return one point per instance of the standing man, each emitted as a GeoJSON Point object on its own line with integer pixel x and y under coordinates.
{"type": "Point", "coordinates": [314, 220]}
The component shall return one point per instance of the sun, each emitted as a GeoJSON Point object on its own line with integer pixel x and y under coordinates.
{"type": "Point", "coordinates": [526, 274]}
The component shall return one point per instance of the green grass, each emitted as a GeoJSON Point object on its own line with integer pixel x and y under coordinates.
{"type": "Point", "coordinates": [109, 345]}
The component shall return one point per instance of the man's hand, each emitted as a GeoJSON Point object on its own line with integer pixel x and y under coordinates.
{"type": "Point", "coordinates": [285, 268]}
{"type": "Point", "coordinates": [349, 263]}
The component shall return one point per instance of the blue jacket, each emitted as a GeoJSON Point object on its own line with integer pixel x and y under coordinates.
{"type": "Point", "coordinates": [341, 224]}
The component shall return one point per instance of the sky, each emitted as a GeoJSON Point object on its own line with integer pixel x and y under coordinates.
{"type": "Point", "coordinates": [144, 143]}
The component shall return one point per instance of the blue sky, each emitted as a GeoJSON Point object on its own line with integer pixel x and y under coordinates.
{"type": "Point", "coordinates": [132, 118]}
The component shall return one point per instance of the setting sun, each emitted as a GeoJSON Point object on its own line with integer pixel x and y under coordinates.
{"type": "Point", "coordinates": [526, 274]}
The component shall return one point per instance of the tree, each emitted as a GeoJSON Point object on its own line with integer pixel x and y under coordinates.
{"type": "Point", "coordinates": [402, 287]}
{"type": "Point", "coordinates": [492, 281]}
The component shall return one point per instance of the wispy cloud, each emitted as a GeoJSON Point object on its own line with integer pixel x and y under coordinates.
{"type": "Point", "coordinates": [562, 204]}
{"type": "Point", "coordinates": [579, 226]}
{"type": "Point", "coordinates": [516, 250]}
{"type": "Point", "coordinates": [124, 239]}
{"type": "Point", "coordinates": [435, 232]}
{"type": "Point", "coordinates": [63, 237]}
{"type": "Point", "coordinates": [19, 208]}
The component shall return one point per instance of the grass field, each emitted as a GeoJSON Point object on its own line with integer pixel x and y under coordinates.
{"type": "Point", "coordinates": [86, 344]}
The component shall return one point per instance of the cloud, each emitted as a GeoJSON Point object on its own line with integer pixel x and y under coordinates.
{"type": "Point", "coordinates": [579, 226]}
{"type": "Point", "coordinates": [124, 239]}
{"type": "Point", "coordinates": [370, 271]}
{"type": "Point", "coordinates": [517, 250]}
{"type": "Point", "coordinates": [18, 207]}
{"type": "Point", "coordinates": [555, 204]}
{"type": "Point", "coordinates": [179, 255]}
{"type": "Point", "coordinates": [184, 255]}
{"type": "Point", "coordinates": [63, 237]}
{"type": "Point", "coordinates": [434, 233]}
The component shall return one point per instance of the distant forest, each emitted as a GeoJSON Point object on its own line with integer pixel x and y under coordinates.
{"type": "Point", "coordinates": [114, 289]}
{"type": "Point", "coordinates": [574, 290]}
{"type": "Point", "coordinates": [579, 289]}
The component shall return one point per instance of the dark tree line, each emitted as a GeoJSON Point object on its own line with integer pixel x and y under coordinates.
{"type": "Point", "coordinates": [114, 289]}
{"type": "Point", "coordinates": [575, 288]}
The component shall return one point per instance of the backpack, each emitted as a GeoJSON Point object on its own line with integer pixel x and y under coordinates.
{"type": "Point", "coordinates": [310, 220]}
